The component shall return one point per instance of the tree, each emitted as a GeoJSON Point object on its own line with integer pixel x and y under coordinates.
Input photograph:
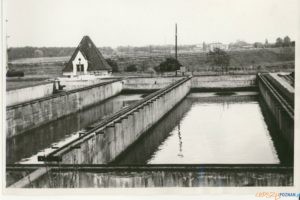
{"type": "Point", "coordinates": [13, 73]}
{"type": "Point", "coordinates": [144, 65]}
{"type": "Point", "coordinates": [38, 53]}
{"type": "Point", "coordinates": [293, 43]}
{"type": "Point", "coordinates": [169, 65]}
{"type": "Point", "coordinates": [279, 42]}
{"type": "Point", "coordinates": [113, 64]}
{"type": "Point", "coordinates": [258, 45]}
{"type": "Point", "coordinates": [220, 58]}
{"type": "Point", "coordinates": [287, 54]}
{"type": "Point", "coordinates": [266, 43]}
{"type": "Point", "coordinates": [286, 41]}
{"type": "Point", "coordinates": [131, 68]}
{"type": "Point", "coordinates": [204, 46]}
{"type": "Point", "coordinates": [106, 50]}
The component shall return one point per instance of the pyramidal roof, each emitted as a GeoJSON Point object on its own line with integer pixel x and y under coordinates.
{"type": "Point", "coordinates": [95, 59]}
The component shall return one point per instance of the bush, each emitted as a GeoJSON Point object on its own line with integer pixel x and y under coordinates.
{"type": "Point", "coordinates": [113, 64]}
{"type": "Point", "coordinates": [12, 73]}
{"type": "Point", "coordinates": [131, 68]}
{"type": "Point", "coordinates": [220, 58]}
{"type": "Point", "coordinates": [169, 65]}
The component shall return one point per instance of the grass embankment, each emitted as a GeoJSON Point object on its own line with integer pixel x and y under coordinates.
{"type": "Point", "coordinates": [243, 61]}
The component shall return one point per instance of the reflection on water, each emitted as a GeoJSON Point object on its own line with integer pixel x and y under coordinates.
{"type": "Point", "coordinates": [150, 141]}
{"type": "Point", "coordinates": [40, 140]}
{"type": "Point", "coordinates": [208, 128]}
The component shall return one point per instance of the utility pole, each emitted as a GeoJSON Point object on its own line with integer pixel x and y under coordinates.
{"type": "Point", "coordinates": [176, 41]}
{"type": "Point", "coordinates": [6, 41]}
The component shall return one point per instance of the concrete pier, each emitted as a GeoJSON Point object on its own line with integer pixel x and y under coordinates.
{"type": "Point", "coordinates": [279, 106]}
{"type": "Point", "coordinates": [223, 82]}
{"type": "Point", "coordinates": [124, 128]}
{"type": "Point", "coordinates": [199, 83]}
{"type": "Point", "coordinates": [25, 94]}
{"type": "Point", "coordinates": [148, 83]}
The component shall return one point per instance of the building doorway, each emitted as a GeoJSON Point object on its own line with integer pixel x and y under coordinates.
{"type": "Point", "coordinates": [80, 68]}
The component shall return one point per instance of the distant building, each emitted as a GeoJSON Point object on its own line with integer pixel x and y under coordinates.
{"type": "Point", "coordinates": [87, 62]}
{"type": "Point", "coordinates": [240, 45]}
{"type": "Point", "coordinates": [198, 48]}
{"type": "Point", "coordinates": [212, 46]}
{"type": "Point", "coordinates": [249, 46]}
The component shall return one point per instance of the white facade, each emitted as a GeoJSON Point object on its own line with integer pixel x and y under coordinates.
{"type": "Point", "coordinates": [218, 45]}
{"type": "Point", "coordinates": [80, 66]}
{"type": "Point", "coordinates": [80, 69]}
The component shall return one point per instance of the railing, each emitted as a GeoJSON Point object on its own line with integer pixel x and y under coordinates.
{"type": "Point", "coordinates": [278, 97]}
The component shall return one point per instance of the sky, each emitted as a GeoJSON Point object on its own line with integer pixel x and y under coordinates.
{"type": "Point", "coordinates": [144, 22]}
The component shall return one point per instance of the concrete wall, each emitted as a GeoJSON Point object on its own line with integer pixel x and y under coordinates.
{"type": "Point", "coordinates": [22, 146]}
{"type": "Point", "coordinates": [104, 147]}
{"type": "Point", "coordinates": [21, 95]}
{"type": "Point", "coordinates": [283, 86]}
{"type": "Point", "coordinates": [223, 82]}
{"type": "Point", "coordinates": [200, 83]}
{"type": "Point", "coordinates": [75, 84]}
{"type": "Point", "coordinates": [285, 122]}
{"type": "Point", "coordinates": [75, 176]}
{"type": "Point", "coordinates": [23, 117]}
{"type": "Point", "coordinates": [145, 83]}
{"type": "Point", "coordinates": [164, 178]}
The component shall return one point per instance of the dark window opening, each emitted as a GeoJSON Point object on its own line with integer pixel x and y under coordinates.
{"type": "Point", "coordinates": [80, 68]}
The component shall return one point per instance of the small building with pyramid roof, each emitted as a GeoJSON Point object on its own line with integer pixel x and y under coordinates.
{"type": "Point", "coordinates": [87, 61]}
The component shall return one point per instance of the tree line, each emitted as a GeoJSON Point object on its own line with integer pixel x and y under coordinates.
{"type": "Point", "coordinates": [280, 42]}
{"type": "Point", "coordinates": [36, 52]}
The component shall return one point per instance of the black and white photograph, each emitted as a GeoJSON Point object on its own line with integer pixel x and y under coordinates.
{"type": "Point", "coordinates": [168, 94]}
